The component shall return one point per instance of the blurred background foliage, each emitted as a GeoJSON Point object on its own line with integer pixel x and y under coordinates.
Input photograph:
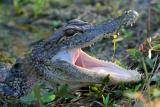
{"type": "Point", "coordinates": [25, 21]}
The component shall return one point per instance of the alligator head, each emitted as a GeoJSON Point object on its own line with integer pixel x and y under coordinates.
{"type": "Point", "coordinates": [60, 59]}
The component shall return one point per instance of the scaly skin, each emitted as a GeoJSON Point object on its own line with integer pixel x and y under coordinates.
{"type": "Point", "coordinates": [60, 60]}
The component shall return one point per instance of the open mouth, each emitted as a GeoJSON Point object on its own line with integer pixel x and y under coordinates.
{"type": "Point", "coordinates": [87, 63]}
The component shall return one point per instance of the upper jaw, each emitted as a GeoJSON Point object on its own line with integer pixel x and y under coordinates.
{"type": "Point", "coordinates": [93, 33]}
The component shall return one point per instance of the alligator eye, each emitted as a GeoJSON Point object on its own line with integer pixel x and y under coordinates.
{"type": "Point", "coordinates": [70, 32]}
{"type": "Point", "coordinates": [17, 65]}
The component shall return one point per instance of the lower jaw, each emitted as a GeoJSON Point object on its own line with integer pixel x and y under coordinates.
{"type": "Point", "coordinates": [95, 68]}
{"type": "Point", "coordinates": [103, 68]}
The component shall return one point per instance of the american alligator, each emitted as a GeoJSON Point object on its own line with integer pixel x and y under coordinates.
{"type": "Point", "coordinates": [59, 59]}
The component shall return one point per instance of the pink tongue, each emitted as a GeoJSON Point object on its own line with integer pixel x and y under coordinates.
{"type": "Point", "coordinates": [75, 55]}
